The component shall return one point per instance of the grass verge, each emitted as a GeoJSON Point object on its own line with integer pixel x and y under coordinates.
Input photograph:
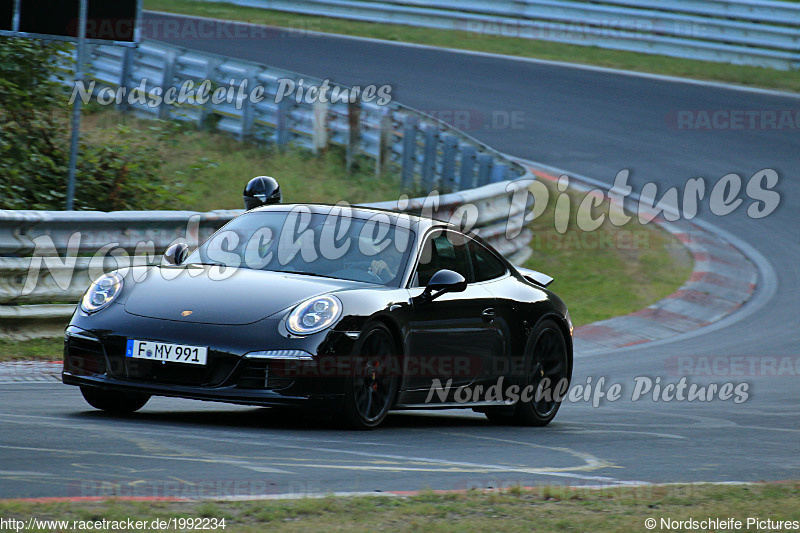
{"type": "Point", "coordinates": [208, 170]}
{"type": "Point", "coordinates": [31, 350]}
{"type": "Point", "coordinates": [610, 271]}
{"type": "Point", "coordinates": [545, 508]}
{"type": "Point", "coordinates": [465, 40]}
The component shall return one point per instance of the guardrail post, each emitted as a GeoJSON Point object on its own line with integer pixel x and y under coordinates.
{"type": "Point", "coordinates": [384, 142]}
{"type": "Point", "coordinates": [450, 143]}
{"type": "Point", "coordinates": [429, 161]}
{"type": "Point", "coordinates": [409, 151]}
{"type": "Point", "coordinates": [499, 171]}
{"type": "Point", "coordinates": [282, 123]}
{"type": "Point", "coordinates": [354, 133]}
{"type": "Point", "coordinates": [485, 162]}
{"type": "Point", "coordinates": [320, 127]}
{"type": "Point", "coordinates": [125, 77]}
{"type": "Point", "coordinates": [166, 83]}
{"type": "Point", "coordinates": [247, 119]}
{"type": "Point", "coordinates": [248, 114]}
{"type": "Point", "coordinates": [467, 167]}
{"type": "Point", "coordinates": [207, 111]}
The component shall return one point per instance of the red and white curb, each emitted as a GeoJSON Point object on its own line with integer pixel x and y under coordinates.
{"type": "Point", "coordinates": [722, 280]}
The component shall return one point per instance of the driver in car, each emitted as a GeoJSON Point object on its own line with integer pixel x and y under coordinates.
{"type": "Point", "coordinates": [382, 268]}
{"type": "Point", "coordinates": [384, 262]}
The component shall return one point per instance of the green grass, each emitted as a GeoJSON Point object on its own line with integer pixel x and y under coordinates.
{"type": "Point", "coordinates": [610, 271]}
{"type": "Point", "coordinates": [546, 508]}
{"type": "Point", "coordinates": [705, 70]}
{"type": "Point", "coordinates": [210, 170]}
{"type": "Point", "coordinates": [31, 350]}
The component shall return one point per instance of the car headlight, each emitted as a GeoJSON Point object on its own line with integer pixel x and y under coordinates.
{"type": "Point", "coordinates": [102, 292]}
{"type": "Point", "coordinates": [314, 315]}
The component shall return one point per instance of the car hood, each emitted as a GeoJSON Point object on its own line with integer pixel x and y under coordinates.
{"type": "Point", "coordinates": [192, 295]}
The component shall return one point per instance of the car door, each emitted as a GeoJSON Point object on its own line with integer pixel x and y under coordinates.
{"type": "Point", "coordinates": [453, 336]}
{"type": "Point", "coordinates": [491, 273]}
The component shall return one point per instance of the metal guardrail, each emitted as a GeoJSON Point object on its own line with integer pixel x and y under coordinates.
{"type": "Point", "coordinates": [48, 258]}
{"type": "Point", "coordinates": [746, 32]}
{"type": "Point", "coordinates": [52, 248]}
{"type": "Point", "coordinates": [426, 152]}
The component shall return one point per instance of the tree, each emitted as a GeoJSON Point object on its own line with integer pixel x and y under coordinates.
{"type": "Point", "coordinates": [34, 141]}
{"type": "Point", "coordinates": [31, 77]}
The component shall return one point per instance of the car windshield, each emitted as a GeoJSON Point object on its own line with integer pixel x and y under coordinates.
{"type": "Point", "coordinates": [332, 245]}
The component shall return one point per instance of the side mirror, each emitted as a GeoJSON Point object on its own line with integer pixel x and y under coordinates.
{"type": "Point", "coordinates": [442, 282]}
{"type": "Point", "coordinates": [447, 281]}
{"type": "Point", "coordinates": [177, 253]}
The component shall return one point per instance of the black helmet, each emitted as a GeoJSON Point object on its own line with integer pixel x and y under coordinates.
{"type": "Point", "coordinates": [261, 190]}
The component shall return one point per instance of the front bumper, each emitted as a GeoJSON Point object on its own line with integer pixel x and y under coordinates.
{"type": "Point", "coordinates": [94, 356]}
{"type": "Point", "coordinates": [266, 398]}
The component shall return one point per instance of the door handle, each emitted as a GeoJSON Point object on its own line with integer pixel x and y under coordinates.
{"type": "Point", "coordinates": [488, 314]}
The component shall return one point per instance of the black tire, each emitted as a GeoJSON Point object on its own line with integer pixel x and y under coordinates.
{"type": "Point", "coordinates": [370, 392]}
{"type": "Point", "coordinates": [500, 416]}
{"type": "Point", "coordinates": [545, 357]}
{"type": "Point", "coordinates": [114, 401]}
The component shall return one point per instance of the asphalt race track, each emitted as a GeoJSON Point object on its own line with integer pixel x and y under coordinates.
{"type": "Point", "coordinates": [587, 121]}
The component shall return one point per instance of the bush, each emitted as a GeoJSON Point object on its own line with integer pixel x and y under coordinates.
{"type": "Point", "coordinates": [31, 78]}
{"type": "Point", "coordinates": [113, 174]}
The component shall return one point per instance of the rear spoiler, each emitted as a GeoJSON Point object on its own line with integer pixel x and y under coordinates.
{"type": "Point", "coordinates": [543, 280]}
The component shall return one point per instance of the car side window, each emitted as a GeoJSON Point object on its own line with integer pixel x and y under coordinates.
{"type": "Point", "coordinates": [484, 263]}
{"type": "Point", "coordinates": [443, 250]}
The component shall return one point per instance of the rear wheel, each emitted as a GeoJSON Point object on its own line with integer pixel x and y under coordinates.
{"type": "Point", "coordinates": [370, 392]}
{"type": "Point", "coordinates": [546, 358]}
{"type": "Point", "coordinates": [114, 401]}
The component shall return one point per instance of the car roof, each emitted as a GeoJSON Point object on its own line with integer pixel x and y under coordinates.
{"type": "Point", "coordinates": [418, 223]}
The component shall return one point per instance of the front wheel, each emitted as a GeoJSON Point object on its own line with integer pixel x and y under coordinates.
{"type": "Point", "coordinates": [114, 401]}
{"type": "Point", "coordinates": [370, 392]}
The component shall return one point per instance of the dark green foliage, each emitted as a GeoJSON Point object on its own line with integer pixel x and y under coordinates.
{"type": "Point", "coordinates": [27, 67]}
{"type": "Point", "coordinates": [113, 174]}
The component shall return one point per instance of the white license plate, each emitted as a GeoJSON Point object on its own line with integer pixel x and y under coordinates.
{"type": "Point", "coordinates": [173, 353]}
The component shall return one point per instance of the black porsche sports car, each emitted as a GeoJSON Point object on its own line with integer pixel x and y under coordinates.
{"type": "Point", "coordinates": [354, 311]}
